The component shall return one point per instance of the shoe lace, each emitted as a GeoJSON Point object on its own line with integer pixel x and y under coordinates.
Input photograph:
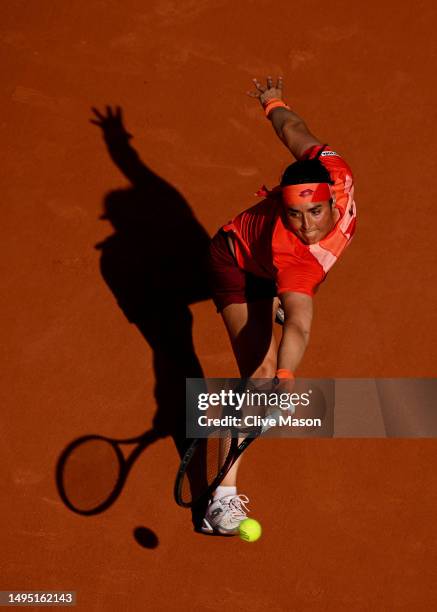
{"type": "Point", "coordinates": [237, 506]}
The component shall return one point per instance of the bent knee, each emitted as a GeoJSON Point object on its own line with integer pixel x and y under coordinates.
{"type": "Point", "coordinates": [265, 370]}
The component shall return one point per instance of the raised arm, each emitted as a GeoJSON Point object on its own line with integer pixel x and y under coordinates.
{"type": "Point", "coordinates": [290, 128]}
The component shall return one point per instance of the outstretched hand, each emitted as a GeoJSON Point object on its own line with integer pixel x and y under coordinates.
{"type": "Point", "coordinates": [264, 94]}
{"type": "Point", "coordinates": [111, 123]}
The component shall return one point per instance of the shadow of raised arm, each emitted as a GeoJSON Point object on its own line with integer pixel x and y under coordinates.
{"type": "Point", "coordinates": [117, 140]}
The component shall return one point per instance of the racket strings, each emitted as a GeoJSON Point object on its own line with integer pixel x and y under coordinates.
{"type": "Point", "coordinates": [90, 474]}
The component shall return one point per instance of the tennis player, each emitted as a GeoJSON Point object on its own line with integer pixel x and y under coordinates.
{"type": "Point", "coordinates": [268, 263]}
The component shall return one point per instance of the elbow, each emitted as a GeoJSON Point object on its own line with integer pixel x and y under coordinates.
{"type": "Point", "coordinates": [290, 126]}
{"type": "Point", "coordinates": [302, 330]}
{"type": "Point", "coordinates": [305, 337]}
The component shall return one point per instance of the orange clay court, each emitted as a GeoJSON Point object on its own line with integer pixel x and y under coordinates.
{"type": "Point", "coordinates": [91, 238]}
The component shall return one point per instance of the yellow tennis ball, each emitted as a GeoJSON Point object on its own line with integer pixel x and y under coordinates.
{"type": "Point", "coordinates": [250, 530]}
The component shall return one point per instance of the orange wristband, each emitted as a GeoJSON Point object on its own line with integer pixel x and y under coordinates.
{"type": "Point", "coordinates": [283, 373]}
{"type": "Point", "coordinates": [267, 102]}
{"type": "Point", "coordinates": [273, 103]}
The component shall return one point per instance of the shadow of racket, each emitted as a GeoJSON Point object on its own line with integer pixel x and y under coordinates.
{"type": "Point", "coordinates": [92, 471]}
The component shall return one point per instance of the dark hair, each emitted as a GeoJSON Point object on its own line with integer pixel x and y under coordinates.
{"type": "Point", "coordinates": [306, 171]}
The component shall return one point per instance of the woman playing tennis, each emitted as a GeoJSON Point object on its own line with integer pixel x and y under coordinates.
{"type": "Point", "coordinates": [269, 261]}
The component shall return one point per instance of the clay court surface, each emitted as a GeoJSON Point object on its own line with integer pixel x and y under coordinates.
{"type": "Point", "coordinates": [348, 524]}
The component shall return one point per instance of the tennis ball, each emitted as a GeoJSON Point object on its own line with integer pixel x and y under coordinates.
{"type": "Point", "coordinates": [250, 530]}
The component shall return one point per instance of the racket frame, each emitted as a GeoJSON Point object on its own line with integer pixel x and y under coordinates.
{"type": "Point", "coordinates": [235, 450]}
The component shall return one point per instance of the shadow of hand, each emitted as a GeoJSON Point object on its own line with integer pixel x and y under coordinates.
{"type": "Point", "coordinates": [111, 124]}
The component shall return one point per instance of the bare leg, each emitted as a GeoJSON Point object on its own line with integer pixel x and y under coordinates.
{"type": "Point", "coordinates": [250, 329]}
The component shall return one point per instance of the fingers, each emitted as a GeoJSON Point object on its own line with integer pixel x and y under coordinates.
{"type": "Point", "coordinates": [258, 86]}
{"type": "Point", "coordinates": [260, 89]}
{"type": "Point", "coordinates": [111, 115]}
{"type": "Point", "coordinates": [97, 113]}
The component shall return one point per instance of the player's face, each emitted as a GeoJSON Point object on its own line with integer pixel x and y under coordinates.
{"type": "Point", "coordinates": [311, 221]}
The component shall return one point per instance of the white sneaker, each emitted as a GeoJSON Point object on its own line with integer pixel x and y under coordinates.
{"type": "Point", "coordinates": [224, 515]}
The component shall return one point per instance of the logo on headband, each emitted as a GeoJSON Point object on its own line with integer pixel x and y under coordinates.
{"type": "Point", "coordinates": [306, 192]}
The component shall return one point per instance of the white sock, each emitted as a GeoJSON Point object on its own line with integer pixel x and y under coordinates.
{"type": "Point", "coordinates": [223, 491]}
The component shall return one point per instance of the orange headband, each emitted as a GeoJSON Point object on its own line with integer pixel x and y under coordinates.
{"type": "Point", "coordinates": [306, 192]}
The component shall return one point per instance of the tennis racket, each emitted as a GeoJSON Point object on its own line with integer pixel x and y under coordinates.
{"type": "Point", "coordinates": [208, 459]}
{"type": "Point", "coordinates": [92, 470]}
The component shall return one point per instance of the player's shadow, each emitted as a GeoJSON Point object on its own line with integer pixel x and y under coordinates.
{"type": "Point", "coordinates": [155, 264]}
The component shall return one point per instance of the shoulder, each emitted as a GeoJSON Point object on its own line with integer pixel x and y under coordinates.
{"type": "Point", "coordinates": [335, 163]}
